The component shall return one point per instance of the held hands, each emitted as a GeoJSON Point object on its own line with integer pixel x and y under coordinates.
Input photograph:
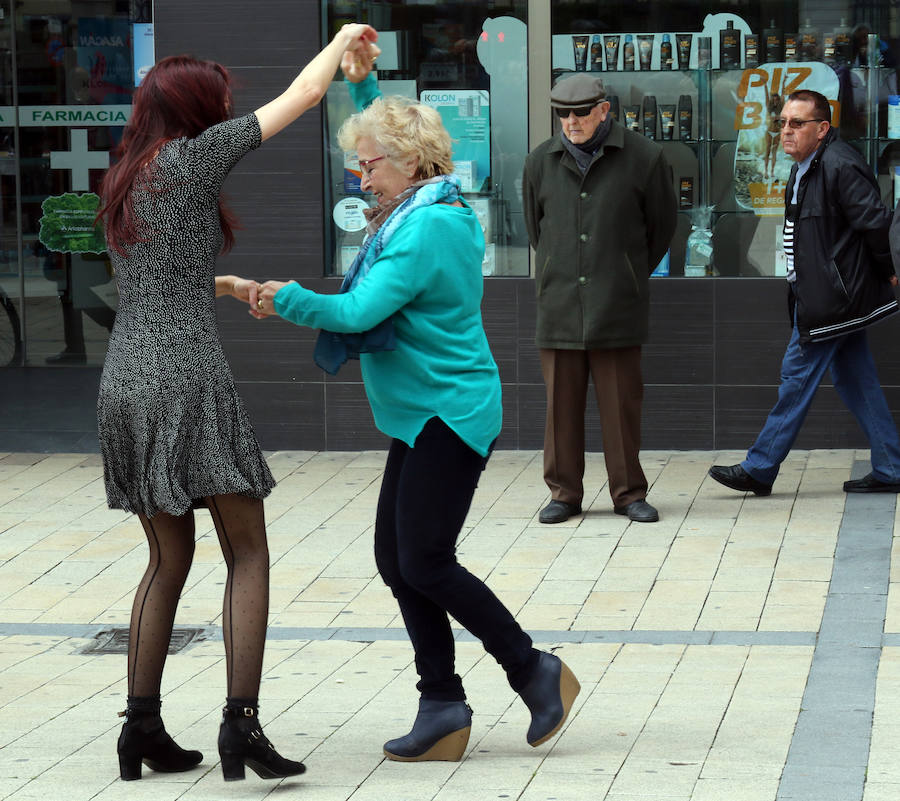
{"type": "Point", "coordinates": [261, 298]}
{"type": "Point", "coordinates": [357, 64]}
{"type": "Point", "coordinates": [360, 40]}
{"type": "Point", "coordinates": [235, 286]}
{"type": "Point", "coordinates": [241, 288]}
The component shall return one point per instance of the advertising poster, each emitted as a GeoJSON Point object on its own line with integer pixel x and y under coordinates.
{"type": "Point", "coordinates": [466, 116]}
{"type": "Point", "coordinates": [104, 52]}
{"type": "Point", "coordinates": [761, 168]}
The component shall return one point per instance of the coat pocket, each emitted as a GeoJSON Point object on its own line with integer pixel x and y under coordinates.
{"type": "Point", "coordinates": [543, 277]}
{"type": "Point", "coordinates": [822, 298]}
{"type": "Point", "coordinates": [632, 275]}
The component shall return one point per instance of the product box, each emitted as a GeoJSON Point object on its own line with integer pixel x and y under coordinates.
{"type": "Point", "coordinates": [489, 264]}
{"type": "Point", "coordinates": [467, 172]}
{"type": "Point", "coordinates": [893, 117]}
{"type": "Point", "coordinates": [348, 254]}
{"type": "Point", "coordinates": [352, 174]}
{"type": "Point", "coordinates": [780, 263]}
{"type": "Point", "coordinates": [662, 269]}
{"type": "Point", "coordinates": [482, 208]}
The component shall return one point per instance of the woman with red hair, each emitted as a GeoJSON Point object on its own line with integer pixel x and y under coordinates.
{"type": "Point", "coordinates": [174, 434]}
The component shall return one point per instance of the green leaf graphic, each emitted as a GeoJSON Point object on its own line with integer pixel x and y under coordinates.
{"type": "Point", "coordinates": [68, 224]}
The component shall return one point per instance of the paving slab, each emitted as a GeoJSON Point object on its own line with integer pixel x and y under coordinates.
{"type": "Point", "coordinates": [743, 648]}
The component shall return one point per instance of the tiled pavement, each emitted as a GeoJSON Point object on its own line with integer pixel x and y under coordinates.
{"type": "Point", "coordinates": [707, 671]}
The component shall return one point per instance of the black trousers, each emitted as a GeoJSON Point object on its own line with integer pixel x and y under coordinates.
{"type": "Point", "coordinates": [425, 497]}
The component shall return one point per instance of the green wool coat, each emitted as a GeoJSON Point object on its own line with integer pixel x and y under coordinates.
{"type": "Point", "coordinates": [597, 238]}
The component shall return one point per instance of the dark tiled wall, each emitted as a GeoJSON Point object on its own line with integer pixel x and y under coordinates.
{"type": "Point", "coordinates": [711, 368]}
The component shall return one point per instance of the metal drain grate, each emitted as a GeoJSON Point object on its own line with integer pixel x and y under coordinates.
{"type": "Point", "coordinates": [115, 641]}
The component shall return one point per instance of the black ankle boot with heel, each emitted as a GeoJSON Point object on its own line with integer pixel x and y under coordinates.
{"type": "Point", "coordinates": [144, 740]}
{"type": "Point", "coordinates": [242, 742]}
{"type": "Point", "coordinates": [440, 733]}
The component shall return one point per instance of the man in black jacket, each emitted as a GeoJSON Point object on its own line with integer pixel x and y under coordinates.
{"type": "Point", "coordinates": [840, 274]}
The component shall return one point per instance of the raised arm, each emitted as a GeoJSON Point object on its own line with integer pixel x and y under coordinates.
{"type": "Point", "coordinates": [310, 85]}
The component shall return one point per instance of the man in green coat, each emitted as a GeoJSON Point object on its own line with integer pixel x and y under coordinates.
{"type": "Point", "coordinates": [600, 210]}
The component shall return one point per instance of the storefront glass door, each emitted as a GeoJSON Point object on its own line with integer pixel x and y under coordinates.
{"type": "Point", "coordinates": [10, 290]}
{"type": "Point", "coordinates": [73, 69]}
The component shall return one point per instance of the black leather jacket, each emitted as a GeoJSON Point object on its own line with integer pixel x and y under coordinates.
{"type": "Point", "coordinates": [841, 251]}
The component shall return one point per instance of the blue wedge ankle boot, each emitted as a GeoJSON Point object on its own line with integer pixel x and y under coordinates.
{"type": "Point", "coordinates": [440, 733]}
{"type": "Point", "coordinates": [549, 696]}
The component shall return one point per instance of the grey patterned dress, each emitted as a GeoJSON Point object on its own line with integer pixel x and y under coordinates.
{"type": "Point", "coordinates": [172, 427]}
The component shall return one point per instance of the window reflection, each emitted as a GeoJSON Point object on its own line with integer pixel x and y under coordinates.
{"type": "Point", "coordinates": [471, 65]}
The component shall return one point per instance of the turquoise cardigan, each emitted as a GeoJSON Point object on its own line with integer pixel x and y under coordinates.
{"type": "Point", "coordinates": [429, 279]}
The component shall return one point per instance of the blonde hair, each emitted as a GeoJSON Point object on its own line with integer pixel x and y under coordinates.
{"type": "Point", "coordinates": [404, 129]}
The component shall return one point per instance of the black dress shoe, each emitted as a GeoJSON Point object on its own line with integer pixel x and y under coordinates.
{"type": "Point", "coordinates": [870, 484]}
{"type": "Point", "coordinates": [736, 478]}
{"type": "Point", "coordinates": [639, 512]}
{"type": "Point", "coordinates": [558, 512]}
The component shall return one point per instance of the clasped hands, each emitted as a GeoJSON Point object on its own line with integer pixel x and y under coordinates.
{"type": "Point", "coordinates": [260, 297]}
{"type": "Point", "coordinates": [357, 64]}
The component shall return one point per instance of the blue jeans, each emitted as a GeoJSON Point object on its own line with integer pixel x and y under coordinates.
{"type": "Point", "coordinates": [856, 381]}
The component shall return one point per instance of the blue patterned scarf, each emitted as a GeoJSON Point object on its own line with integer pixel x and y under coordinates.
{"type": "Point", "coordinates": [333, 349]}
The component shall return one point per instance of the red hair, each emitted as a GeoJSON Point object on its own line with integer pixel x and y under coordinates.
{"type": "Point", "coordinates": [181, 96]}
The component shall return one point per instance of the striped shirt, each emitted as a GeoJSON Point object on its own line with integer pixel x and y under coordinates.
{"type": "Point", "coordinates": [790, 217]}
{"type": "Point", "coordinates": [789, 241]}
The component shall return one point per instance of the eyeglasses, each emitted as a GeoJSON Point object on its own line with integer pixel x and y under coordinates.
{"type": "Point", "coordinates": [581, 111]}
{"type": "Point", "coordinates": [795, 125]}
{"type": "Point", "coordinates": [364, 165]}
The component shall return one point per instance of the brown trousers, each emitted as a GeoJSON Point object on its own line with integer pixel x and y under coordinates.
{"type": "Point", "coordinates": [616, 373]}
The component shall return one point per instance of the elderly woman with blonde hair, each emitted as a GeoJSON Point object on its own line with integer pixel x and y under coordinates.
{"type": "Point", "coordinates": [410, 309]}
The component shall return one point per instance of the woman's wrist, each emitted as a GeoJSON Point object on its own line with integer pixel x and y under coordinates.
{"type": "Point", "coordinates": [345, 36]}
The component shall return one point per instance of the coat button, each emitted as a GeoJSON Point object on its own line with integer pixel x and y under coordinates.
{"type": "Point", "coordinates": [584, 195]}
{"type": "Point", "coordinates": [582, 280]}
{"type": "Point", "coordinates": [584, 237]}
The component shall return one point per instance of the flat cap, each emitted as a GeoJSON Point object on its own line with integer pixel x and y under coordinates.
{"type": "Point", "coordinates": [580, 89]}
